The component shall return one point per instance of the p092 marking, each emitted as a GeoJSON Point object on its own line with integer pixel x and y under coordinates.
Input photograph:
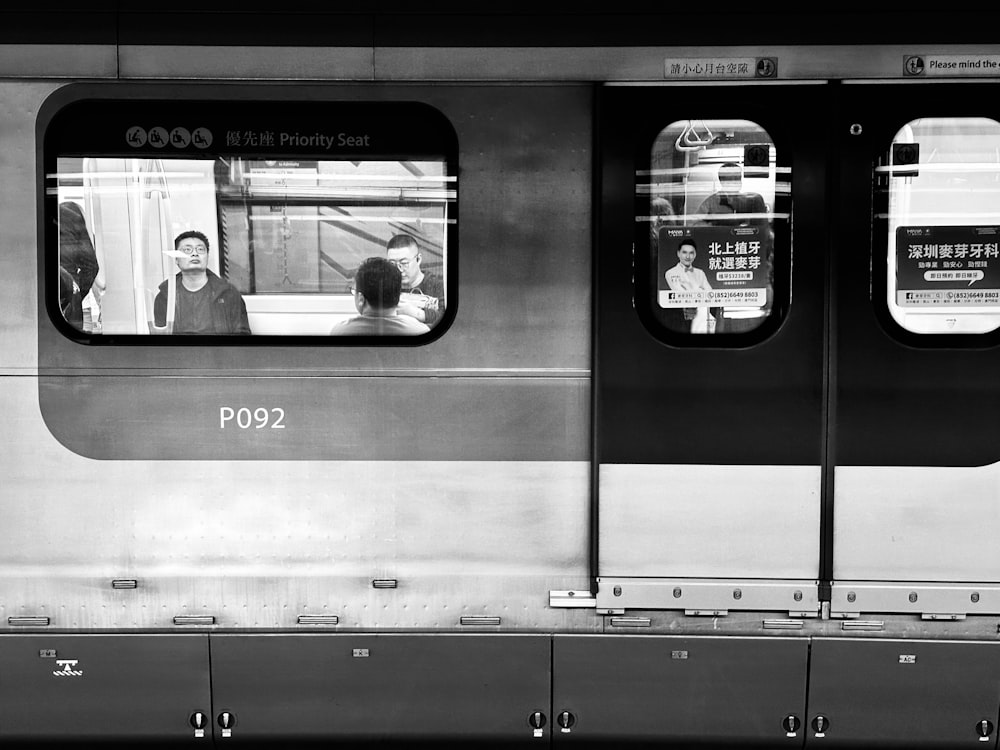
{"type": "Point", "coordinates": [258, 418]}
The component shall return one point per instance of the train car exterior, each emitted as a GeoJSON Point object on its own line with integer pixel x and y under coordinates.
{"type": "Point", "coordinates": [499, 377]}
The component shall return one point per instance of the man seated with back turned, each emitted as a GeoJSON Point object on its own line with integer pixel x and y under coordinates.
{"type": "Point", "coordinates": [376, 289]}
{"type": "Point", "coordinates": [205, 303]}
{"type": "Point", "coordinates": [427, 305]}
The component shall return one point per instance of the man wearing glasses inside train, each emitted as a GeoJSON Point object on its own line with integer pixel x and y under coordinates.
{"type": "Point", "coordinates": [423, 291]}
{"type": "Point", "coordinates": [204, 302]}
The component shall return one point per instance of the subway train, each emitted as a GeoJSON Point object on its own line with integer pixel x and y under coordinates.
{"type": "Point", "coordinates": [452, 377]}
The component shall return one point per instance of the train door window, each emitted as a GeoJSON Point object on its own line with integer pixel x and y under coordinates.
{"type": "Point", "coordinates": [940, 226]}
{"type": "Point", "coordinates": [712, 242]}
{"type": "Point", "coordinates": [301, 220]}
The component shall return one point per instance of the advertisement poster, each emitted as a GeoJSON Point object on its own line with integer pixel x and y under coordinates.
{"type": "Point", "coordinates": [947, 266]}
{"type": "Point", "coordinates": [712, 267]}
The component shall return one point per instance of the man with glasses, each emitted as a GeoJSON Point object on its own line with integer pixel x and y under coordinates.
{"type": "Point", "coordinates": [204, 303]}
{"type": "Point", "coordinates": [423, 291]}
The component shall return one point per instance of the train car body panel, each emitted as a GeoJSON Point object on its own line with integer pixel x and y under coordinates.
{"type": "Point", "coordinates": [189, 517]}
{"type": "Point", "coordinates": [72, 688]}
{"type": "Point", "coordinates": [537, 378]}
{"type": "Point", "coordinates": [19, 355]}
{"type": "Point", "coordinates": [686, 462]}
{"type": "Point", "coordinates": [676, 689]}
{"type": "Point", "coordinates": [383, 687]}
{"type": "Point", "coordinates": [245, 63]}
{"type": "Point", "coordinates": [405, 418]}
{"type": "Point", "coordinates": [938, 693]}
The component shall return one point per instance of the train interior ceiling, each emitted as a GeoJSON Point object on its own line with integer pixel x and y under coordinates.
{"type": "Point", "coordinates": [500, 376]}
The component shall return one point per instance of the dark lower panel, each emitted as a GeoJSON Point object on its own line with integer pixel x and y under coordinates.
{"type": "Point", "coordinates": [401, 688]}
{"type": "Point", "coordinates": [902, 693]}
{"type": "Point", "coordinates": [339, 418]}
{"type": "Point", "coordinates": [136, 688]}
{"type": "Point", "coordinates": [679, 690]}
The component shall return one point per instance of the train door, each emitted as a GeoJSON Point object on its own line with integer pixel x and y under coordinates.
{"type": "Point", "coordinates": [710, 290]}
{"type": "Point", "coordinates": [819, 437]}
{"type": "Point", "coordinates": [914, 430]}
{"type": "Point", "coordinates": [710, 348]}
{"type": "Point", "coordinates": [915, 512]}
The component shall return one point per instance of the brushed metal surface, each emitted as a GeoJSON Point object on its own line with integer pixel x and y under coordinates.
{"type": "Point", "coordinates": [58, 61]}
{"type": "Point", "coordinates": [403, 687]}
{"type": "Point", "coordinates": [874, 698]}
{"type": "Point", "coordinates": [245, 62]}
{"type": "Point", "coordinates": [238, 602]}
{"type": "Point", "coordinates": [387, 63]}
{"type": "Point", "coordinates": [100, 687]}
{"type": "Point", "coordinates": [887, 519]}
{"type": "Point", "coordinates": [646, 64]}
{"type": "Point", "coordinates": [673, 688]}
{"type": "Point", "coordinates": [337, 418]}
{"type": "Point", "coordinates": [677, 521]}
{"type": "Point", "coordinates": [18, 280]}
{"type": "Point", "coordinates": [258, 543]}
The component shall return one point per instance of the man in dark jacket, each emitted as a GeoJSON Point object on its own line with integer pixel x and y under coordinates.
{"type": "Point", "coordinates": [205, 303]}
{"type": "Point", "coordinates": [731, 206]}
{"type": "Point", "coordinates": [424, 290]}
{"type": "Point", "coordinates": [77, 261]}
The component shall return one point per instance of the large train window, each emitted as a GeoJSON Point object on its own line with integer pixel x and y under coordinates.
{"type": "Point", "coordinates": [712, 239]}
{"type": "Point", "coordinates": [942, 226]}
{"type": "Point", "coordinates": [333, 221]}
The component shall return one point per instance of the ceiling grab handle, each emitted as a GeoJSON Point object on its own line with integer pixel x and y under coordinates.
{"type": "Point", "coordinates": [691, 140]}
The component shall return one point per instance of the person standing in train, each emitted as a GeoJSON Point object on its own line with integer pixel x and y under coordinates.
{"type": "Point", "coordinates": [684, 277]}
{"type": "Point", "coordinates": [204, 302]}
{"type": "Point", "coordinates": [376, 288]}
{"type": "Point", "coordinates": [427, 306]}
{"type": "Point", "coordinates": [77, 261]}
{"type": "Point", "coordinates": [661, 215]}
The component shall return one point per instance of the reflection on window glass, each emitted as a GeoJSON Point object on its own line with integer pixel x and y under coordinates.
{"type": "Point", "coordinates": [711, 195]}
{"type": "Point", "coordinates": [943, 223]}
{"type": "Point", "coordinates": [241, 246]}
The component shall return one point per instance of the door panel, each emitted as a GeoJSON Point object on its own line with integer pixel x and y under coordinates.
{"type": "Point", "coordinates": [140, 688]}
{"type": "Point", "coordinates": [382, 687]}
{"type": "Point", "coordinates": [902, 693]}
{"type": "Point", "coordinates": [914, 425]}
{"type": "Point", "coordinates": [693, 429]}
{"type": "Point", "coordinates": [679, 689]}
{"type": "Point", "coordinates": [706, 529]}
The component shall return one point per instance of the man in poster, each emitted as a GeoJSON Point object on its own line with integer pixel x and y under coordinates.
{"type": "Point", "coordinates": [684, 277]}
